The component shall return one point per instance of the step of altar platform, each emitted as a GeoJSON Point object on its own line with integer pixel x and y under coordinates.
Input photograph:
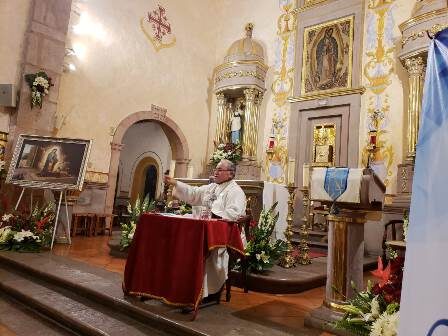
{"type": "Point", "coordinates": [114, 245]}
{"type": "Point", "coordinates": [90, 301]}
{"type": "Point", "coordinates": [18, 319]}
{"type": "Point", "coordinates": [85, 316]}
{"type": "Point", "coordinates": [279, 280]}
{"type": "Point", "coordinates": [316, 239]}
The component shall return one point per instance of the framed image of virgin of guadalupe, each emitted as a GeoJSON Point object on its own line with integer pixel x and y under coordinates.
{"type": "Point", "coordinates": [327, 57]}
{"type": "Point", "coordinates": [49, 163]}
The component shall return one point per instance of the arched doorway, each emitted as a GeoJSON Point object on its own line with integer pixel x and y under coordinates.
{"type": "Point", "coordinates": [145, 180]}
{"type": "Point", "coordinates": [176, 138]}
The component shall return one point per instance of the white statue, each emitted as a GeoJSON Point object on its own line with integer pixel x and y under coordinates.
{"type": "Point", "coordinates": [235, 127]}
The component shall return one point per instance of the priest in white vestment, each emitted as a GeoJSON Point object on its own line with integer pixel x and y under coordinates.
{"type": "Point", "coordinates": [226, 200]}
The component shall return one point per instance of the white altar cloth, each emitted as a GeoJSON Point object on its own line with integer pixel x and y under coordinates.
{"type": "Point", "coordinates": [273, 192]}
{"type": "Point", "coordinates": [351, 195]}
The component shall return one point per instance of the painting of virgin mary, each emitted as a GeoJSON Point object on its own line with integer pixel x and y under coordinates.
{"type": "Point", "coordinates": [327, 56]}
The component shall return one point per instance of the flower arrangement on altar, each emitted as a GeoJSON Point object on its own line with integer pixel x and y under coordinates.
{"type": "Point", "coordinates": [375, 311]}
{"type": "Point", "coordinates": [228, 151]}
{"type": "Point", "coordinates": [39, 84]}
{"type": "Point", "coordinates": [134, 211]}
{"type": "Point", "coordinates": [28, 234]}
{"type": "Point", "coordinates": [261, 251]}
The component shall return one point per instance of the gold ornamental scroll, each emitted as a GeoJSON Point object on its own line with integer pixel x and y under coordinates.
{"type": "Point", "coordinates": [415, 67]}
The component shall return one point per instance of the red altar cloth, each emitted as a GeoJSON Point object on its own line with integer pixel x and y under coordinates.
{"type": "Point", "coordinates": [166, 260]}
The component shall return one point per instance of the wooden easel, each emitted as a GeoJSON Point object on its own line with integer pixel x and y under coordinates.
{"type": "Point", "coordinates": [61, 192]}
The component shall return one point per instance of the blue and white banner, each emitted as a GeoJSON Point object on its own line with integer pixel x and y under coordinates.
{"type": "Point", "coordinates": [424, 299]}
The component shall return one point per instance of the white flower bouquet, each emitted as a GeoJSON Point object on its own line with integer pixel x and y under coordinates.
{"type": "Point", "coordinates": [229, 151]}
{"type": "Point", "coordinates": [6, 235]}
{"type": "Point", "coordinates": [261, 251]}
{"type": "Point", "coordinates": [25, 241]}
{"type": "Point", "coordinates": [39, 84]}
{"type": "Point", "coordinates": [375, 311]}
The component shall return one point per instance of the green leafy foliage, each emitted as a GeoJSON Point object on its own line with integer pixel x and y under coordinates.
{"type": "Point", "coordinates": [134, 211]}
{"type": "Point", "coordinates": [375, 311]}
{"type": "Point", "coordinates": [28, 234]}
{"type": "Point", "coordinates": [261, 251]}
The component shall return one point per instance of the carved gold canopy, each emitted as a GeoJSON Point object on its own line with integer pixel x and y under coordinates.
{"type": "Point", "coordinates": [243, 65]}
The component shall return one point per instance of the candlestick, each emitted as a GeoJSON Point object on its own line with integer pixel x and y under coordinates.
{"type": "Point", "coordinates": [303, 258]}
{"type": "Point", "coordinates": [190, 172]}
{"type": "Point", "coordinates": [288, 260]}
{"type": "Point", "coordinates": [291, 171]}
{"type": "Point", "coordinates": [172, 168]}
{"type": "Point", "coordinates": [306, 175]}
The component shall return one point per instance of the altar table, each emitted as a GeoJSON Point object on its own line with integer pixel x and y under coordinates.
{"type": "Point", "coordinates": [166, 259]}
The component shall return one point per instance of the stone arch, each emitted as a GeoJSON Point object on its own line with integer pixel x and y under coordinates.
{"type": "Point", "coordinates": [176, 138]}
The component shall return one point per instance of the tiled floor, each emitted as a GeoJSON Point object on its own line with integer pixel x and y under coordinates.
{"type": "Point", "coordinates": [286, 312]}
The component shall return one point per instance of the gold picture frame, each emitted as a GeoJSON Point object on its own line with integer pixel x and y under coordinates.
{"type": "Point", "coordinates": [327, 61]}
{"type": "Point", "coordinates": [324, 145]}
{"type": "Point", "coordinates": [48, 162]}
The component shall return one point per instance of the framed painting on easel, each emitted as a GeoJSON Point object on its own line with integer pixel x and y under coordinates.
{"type": "Point", "coordinates": [49, 163]}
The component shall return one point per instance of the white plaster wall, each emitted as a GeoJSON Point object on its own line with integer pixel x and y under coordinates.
{"type": "Point", "coordinates": [119, 73]}
{"type": "Point", "coordinates": [13, 24]}
{"type": "Point", "coordinates": [140, 141]}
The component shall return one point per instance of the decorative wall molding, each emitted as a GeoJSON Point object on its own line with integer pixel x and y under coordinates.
{"type": "Point", "coordinates": [380, 65]}
{"type": "Point", "coordinates": [282, 88]}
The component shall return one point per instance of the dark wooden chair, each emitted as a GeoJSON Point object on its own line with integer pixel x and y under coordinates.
{"type": "Point", "coordinates": [104, 223]}
{"type": "Point", "coordinates": [391, 227]}
{"type": "Point", "coordinates": [243, 224]}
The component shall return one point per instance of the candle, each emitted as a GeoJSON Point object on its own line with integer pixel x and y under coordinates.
{"type": "Point", "coordinates": [291, 171]}
{"type": "Point", "coordinates": [172, 167]}
{"type": "Point", "coordinates": [306, 175]}
{"type": "Point", "coordinates": [372, 138]}
{"type": "Point", "coordinates": [190, 171]}
{"type": "Point", "coordinates": [271, 143]}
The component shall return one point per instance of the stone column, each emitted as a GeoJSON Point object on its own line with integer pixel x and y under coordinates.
{"type": "Point", "coordinates": [222, 123]}
{"type": "Point", "coordinates": [113, 173]}
{"type": "Point", "coordinates": [44, 50]}
{"type": "Point", "coordinates": [181, 168]}
{"type": "Point", "coordinates": [3, 141]}
{"type": "Point", "coordinates": [249, 124]}
{"type": "Point", "coordinates": [415, 67]}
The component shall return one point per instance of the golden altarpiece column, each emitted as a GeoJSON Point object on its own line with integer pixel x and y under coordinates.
{"type": "Point", "coordinates": [429, 17]}
{"type": "Point", "coordinates": [239, 87]}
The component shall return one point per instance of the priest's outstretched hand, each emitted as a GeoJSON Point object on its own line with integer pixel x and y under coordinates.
{"type": "Point", "coordinates": [169, 180]}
